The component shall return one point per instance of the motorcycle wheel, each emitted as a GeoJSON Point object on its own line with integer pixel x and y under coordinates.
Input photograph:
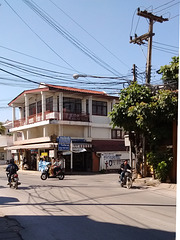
{"type": "Point", "coordinates": [16, 185]}
{"type": "Point", "coordinates": [129, 183]}
{"type": "Point", "coordinates": [43, 176]}
{"type": "Point", "coordinates": [61, 176]}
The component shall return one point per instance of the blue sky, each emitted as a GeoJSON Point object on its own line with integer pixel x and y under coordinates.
{"type": "Point", "coordinates": [73, 30]}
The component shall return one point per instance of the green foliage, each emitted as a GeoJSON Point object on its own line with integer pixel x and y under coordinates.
{"type": "Point", "coordinates": [150, 114]}
{"type": "Point", "coordinates": [2, 128]}
{"type": "Point", "coordinates": [145, 113]}
{"type": "Point", "coordinates": [170, 73]}
{"type": "Point", "coordinates": [132, 109]}
{"type": "Point", "coordinates": [161, 162]}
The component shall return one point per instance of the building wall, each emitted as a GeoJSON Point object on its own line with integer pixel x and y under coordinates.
{"type": "Point", "coordinates": [100, 133]}
{"type": "Point", "coordinates": [100, 119]}
{"type": "Point", "coordinates": [73, 131]}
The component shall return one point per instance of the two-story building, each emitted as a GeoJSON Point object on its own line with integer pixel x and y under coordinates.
{"type": "Point", "coordinates": [72, 121]}
{"type": "Point", "coordinates": [6, 140]}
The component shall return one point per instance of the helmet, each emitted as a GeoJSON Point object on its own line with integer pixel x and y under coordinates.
{"type": "Point", "coordinates": [11, 160]}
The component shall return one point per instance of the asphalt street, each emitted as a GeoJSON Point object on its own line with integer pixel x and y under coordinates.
{"type": "Point", "coordinates": [86, 207]}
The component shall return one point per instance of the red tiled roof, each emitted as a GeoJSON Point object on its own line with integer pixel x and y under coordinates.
{"type": "Point", "coordinates": [48, 87]}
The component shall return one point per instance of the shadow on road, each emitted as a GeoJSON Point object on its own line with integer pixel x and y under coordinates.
{"type": "Point", "coordinates": [82, 227]}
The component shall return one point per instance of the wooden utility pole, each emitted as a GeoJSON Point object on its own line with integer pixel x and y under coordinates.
{"type": "Point", "coordinates": [134, 73]}
{"type": "Point", "coordinates": [147, 37]}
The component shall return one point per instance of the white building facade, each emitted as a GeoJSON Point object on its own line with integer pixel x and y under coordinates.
{"type": "Point", "coordinates": [43, 118]}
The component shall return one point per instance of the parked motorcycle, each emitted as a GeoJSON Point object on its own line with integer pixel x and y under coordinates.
{"type": "Point", "coordinates": [14, 181]}
{"type": "Point", "coordinates": [47, 173]}
{"type": "Point", "coordinates": [127, 179]}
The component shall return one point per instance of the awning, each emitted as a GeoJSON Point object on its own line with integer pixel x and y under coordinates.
{"type": "Point", "coordinates": [32, 146]}
{"type": "Point", "coordinates": [82, 145]}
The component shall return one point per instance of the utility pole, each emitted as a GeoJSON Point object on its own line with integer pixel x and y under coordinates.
{"type": "Point", "coordinates": [134, 73]}
{"type": "Point", "coordinates": [147, 37]}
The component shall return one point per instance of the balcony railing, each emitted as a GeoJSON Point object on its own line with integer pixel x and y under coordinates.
{"type": "Point", "coordinates": [76, 117]}
{"type": "Point", "coordinates": [53, 116]}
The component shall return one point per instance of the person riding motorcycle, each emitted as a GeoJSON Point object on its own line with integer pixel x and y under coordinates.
{"type": "Point", "coordinates": [11, 169]}
{"type": "Point", "coordinates": [124, 167]}
{"type": "Point", "coordinates": [55, 167]}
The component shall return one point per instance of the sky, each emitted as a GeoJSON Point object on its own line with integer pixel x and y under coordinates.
{"type": "Point", "coordinates": [50, 40]}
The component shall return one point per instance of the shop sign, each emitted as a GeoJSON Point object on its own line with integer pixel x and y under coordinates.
{"type": "Point", "coordinates": [34, 151]}
{"type": "Point", "coordinates": [64, 143]}
{"type": "Point", "coordinates": [44, 154]}
{"type": "Point", "coordinates": [51, 153]}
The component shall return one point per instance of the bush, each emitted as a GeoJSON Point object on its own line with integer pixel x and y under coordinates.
{"type": "Point", "coordinates": [161, 162]}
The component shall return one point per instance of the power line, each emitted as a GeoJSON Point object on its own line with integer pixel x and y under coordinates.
{"type": "Point", "coordinates": [27, 55]}
{"type": "Point", "coordinates": [165, 44]}
{"type": "Point", "coordinates": [166, 7]}
{"type": "Point", "coordinates": [163, 4]}
{"type": "Point", "coordinates": [89, 34]}
{"type": "Point", "coordinates": [50, 21]}
{"type": "Point", "coordinates": [39, 36]}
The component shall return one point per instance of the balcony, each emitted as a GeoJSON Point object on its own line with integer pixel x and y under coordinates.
{"type": "Point", "coordinates": [52, 116]}
{"type": "Point", "coordinates": [82, 117]}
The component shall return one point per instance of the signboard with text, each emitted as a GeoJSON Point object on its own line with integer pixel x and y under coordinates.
{"type": "Point", "coordinates": [64, 143]}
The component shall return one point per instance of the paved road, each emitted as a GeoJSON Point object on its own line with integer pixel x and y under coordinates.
{"type": "Point", "coordinates": [87, 207]}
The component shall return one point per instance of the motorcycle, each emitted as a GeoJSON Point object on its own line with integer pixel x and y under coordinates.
{"type": "Point", "coordinates": [14, 180]}
{"type": "Point", "coordinates": [47, 173]}
{"type": "Point", "coordinates": [127, 179]}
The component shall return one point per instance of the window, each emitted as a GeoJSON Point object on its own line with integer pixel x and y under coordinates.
{"type": "Point", "coordinates": [39, 107]}
{"type": "Point", "coordinates": [72, 105]}
{"type": "Point", "coordinates": [87, 106]}
{"type": "Point", "coordinates": [49, 104]}
{"type": "Point", "coordinates": [99, 108]}
{"type": "Point", "coordinates": [57, 103]}
{"type": "Point", "coordinates": [117, 134]}
{"type": "Point", "coordinates": [32, 109]}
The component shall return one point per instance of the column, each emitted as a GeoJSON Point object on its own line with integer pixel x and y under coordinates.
{"type": "Point", "coordinates": [90, 116]}
{"type": "Point", "coordinates": [44, 131]}
{"type": "Point", "coordinates": [60, 106]}
{"type": "Point", "coordinates": [90, 108]}
{"type": "Point", "coordinates": [84, 105]}
{"type": "Point", "coordinates": [13, 115]}
{"type": "Point", "coordinates": [26, 108]}
{"type": "Point", "coordinates": [43, 99]}
{"type": "Point", "coordinates": [54, 103]}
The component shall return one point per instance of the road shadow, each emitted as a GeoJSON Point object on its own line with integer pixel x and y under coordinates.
{"type": "Point", "coordinates": [84, 228]}
{"type": "Point", "coordinates": [6, 200]}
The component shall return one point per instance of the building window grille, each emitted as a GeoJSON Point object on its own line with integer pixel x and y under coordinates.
{"type": "Point", "coordinates": [117, 134]}
{"type": "Point", "coordinates": [49, 104]}
{"type": "Point", "coordinates": [72, 105]}
{"type": "Point", "coordinates": [32, 109]}
{"type": "Point", "coordinates": [99, 108]}
{"type": "Point", "coordinates": [39, 107]}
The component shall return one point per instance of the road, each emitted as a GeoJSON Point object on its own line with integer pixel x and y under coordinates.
{"type": "Point", "coordinates": [88, 207]}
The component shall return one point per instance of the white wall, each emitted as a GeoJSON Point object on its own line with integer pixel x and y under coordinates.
{"type": "Point", "coordinates": [113, 160]}
{"type": "Point", "coordinates": [100, 133]}
{"type": "Point", "coordinates": [100, 119]}
{"type": "Point", "coordinates": [73, 131]}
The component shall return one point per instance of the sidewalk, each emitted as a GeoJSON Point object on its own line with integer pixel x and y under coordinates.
{"type": "Point", "coordinates": [149, 181]}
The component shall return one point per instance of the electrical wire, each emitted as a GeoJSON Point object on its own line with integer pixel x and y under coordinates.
{"type": "Point", "coordinates": [50, 21]}
{"type": "Point", "coordinates": [41, 38]}
{"type": "Point", "coordinates": [88, 33]}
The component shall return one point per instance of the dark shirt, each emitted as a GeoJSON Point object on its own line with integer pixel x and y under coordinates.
{"type": "Point", "coordinates": [12, 168]}
{"type": "Point", "coordinates": [124, 167]}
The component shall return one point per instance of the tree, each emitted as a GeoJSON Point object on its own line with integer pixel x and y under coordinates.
{"type": "Point", "coordinates": [142, 112]}
{"type": "Point", "coordinates": [2, 128]}
{"type": "Point", "coordinates": [170, 73]}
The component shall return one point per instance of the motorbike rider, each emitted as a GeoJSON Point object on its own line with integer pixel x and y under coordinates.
{"type": "Point", "coordinates": [11, 169]}
{"type": "Point", "coordinates": [56, 165]}
{"type": "Point", "coordinates": [123, 168]}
